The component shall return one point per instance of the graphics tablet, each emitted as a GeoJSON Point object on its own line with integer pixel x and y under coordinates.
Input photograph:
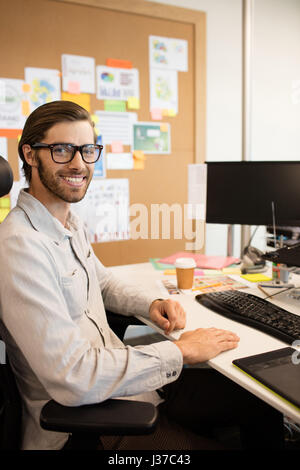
{"type": "Point", "coordinates": [277, 370]}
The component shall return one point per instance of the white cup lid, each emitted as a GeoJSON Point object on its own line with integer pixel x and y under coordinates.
{"type": "Point", "coordinates": [185, 263]}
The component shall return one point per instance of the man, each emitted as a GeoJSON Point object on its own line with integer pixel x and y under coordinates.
{"type": "Point", "coordinates": [53, 291]}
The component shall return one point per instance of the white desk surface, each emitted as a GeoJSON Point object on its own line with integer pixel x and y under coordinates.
{"type": "Point", "coordinates": [251, 341]}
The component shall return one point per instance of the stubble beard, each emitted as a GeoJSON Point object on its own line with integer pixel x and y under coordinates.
{"type": "Point", "coordinates": [54, 184]}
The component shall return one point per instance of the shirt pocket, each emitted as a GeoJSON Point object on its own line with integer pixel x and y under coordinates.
{"type": "Point", "coordinates": [74, 289]}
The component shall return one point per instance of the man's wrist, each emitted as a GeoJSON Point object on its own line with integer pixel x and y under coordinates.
{"type": "Point", "coordinates": [153, 302]}
{"type": "Point", "coordinates": [182, 349]}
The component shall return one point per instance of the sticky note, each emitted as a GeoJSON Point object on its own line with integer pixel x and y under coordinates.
{"type": "Point", "coordinates": [83, 99]}
{"type": "Point", "coordinates": [164, 128]}
{"type": "Point", "coordinates": [114, 105]}
{"type": "Point", "coordinates": [233, 270]}
{"type": "Point", "coordinates": [74, 87]}
{"type": "Point", "coordinates": [25, 108]}
{"type": "Point", "coordinates": [170, 272]}
{"type": "Point", "coordinates": [116, 147]}
{"type": "Point", "coordinates": [10, 133]}
{"type": "Point", "coordinates": [172, 112]}
{"type": "Point", "coordinates": [256, 277]}
{"type": "Point", "coordinates": [122, 64]}
{"type": "Point", "coordinates": [138, 160]}
{"type": "Point", "coordinates": [156, 114]}
{"type": "Point", "coordinates": [26, 87]}
{"type": "Point", "coordinates": [133, 103]}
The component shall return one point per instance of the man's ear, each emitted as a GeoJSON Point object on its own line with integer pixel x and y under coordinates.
{"type": "Point", "coordinates": [29, 155]}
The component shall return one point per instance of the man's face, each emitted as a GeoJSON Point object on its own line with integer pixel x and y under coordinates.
{"type": "Point", "coordinates": [68, 181]}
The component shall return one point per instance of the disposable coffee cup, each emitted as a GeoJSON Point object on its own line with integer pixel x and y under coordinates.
{"type": "Point", "coordinates": [185, 272]}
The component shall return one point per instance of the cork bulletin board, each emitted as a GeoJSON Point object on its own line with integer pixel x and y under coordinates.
{"type": "Point", "coordinates": [36, 33]}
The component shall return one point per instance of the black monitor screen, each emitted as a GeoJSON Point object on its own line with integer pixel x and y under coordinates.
{"type": "Point", "coordinates": [242, 193]}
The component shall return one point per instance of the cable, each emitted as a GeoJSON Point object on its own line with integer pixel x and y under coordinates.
{"type": "Point", "coordinates": [280, 292]}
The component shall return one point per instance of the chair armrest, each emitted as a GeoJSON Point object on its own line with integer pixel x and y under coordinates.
{"type": "Point", "coordinates": [118, 323]}
{"type": "Point", "coordinates": [112, 417]}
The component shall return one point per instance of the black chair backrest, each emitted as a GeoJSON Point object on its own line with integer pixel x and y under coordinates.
{"type": "Point", "coordinates": [10, 401]}
{"type": "Point", "coordinates": [10, 405]}
{"type": "Point", "coordinates": [6, 177]}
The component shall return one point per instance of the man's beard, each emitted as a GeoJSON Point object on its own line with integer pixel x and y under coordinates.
{"type": "Point", "coordinates": [52, 183]}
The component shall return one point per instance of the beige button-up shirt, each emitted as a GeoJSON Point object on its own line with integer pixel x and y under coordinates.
{"type": "Point", "coordinates": [53, 290]}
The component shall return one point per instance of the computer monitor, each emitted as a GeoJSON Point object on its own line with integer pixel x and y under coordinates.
{"type": "Point", "coordinates": [243, 192]}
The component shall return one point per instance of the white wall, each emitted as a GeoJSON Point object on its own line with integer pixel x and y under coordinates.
{"type": "Point", "coordinates": [275, 122]}
{"type": "Point", "coordinates": [276, 68]}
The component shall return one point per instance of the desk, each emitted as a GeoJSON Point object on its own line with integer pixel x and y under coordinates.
{"type": "Point", "coordinates": [251, 341]}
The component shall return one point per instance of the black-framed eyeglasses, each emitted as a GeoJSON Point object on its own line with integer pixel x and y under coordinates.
{"type": "Point", "coordinates": [64, 153]}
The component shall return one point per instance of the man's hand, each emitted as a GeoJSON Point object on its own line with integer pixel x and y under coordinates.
{"type": "Point", "coordinates": [168, 314]}
{"type": "Point", "coordinates": [205, 343]}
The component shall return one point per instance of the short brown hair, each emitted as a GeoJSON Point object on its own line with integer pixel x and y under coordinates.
{"type": "Point", "coordinates": [43, 118]}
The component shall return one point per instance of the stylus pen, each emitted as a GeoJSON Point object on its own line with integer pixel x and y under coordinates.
{"type": "Point", "coordinates": [276, 286]}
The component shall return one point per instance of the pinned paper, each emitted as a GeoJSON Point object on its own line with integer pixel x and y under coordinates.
{"type": "Point", "coordinates": [119, 161]}
{"type": "Point", "coordinates": [122, 64]}
{"type": "Point", "coordinates": [83, 99]}
{"type": "Point", "coordinates": [114, 105]}
{"type": "Point", "coordinates": [133, 103]}
{"type": "Point", "coordinates": [78, 74]}
{"type": "Point", "coordinates": [74, 87]}
{"type": "Point", "coordinates": [11, 97]}
{"type": "Point", "coordinates": [164, 128]}
{"type": "Point", "coordinates": [156, 114]}
{"type": "Point", "coordinates": [3, 147]}
{"type": "Point", "coordinates": [116, 147]}
{"type": "Point", "coordinates": [116, 83]}
{"type": "Point", "coordinates": [138, 160]}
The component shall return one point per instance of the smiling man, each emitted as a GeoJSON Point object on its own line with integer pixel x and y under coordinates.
{"type": "Point", "coordinates": [54, 292]}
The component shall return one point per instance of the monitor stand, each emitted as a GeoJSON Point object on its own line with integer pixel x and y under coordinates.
{"type": "Point", "coordinates": [245, 237]}
{"type": "Point", "coordinates": [230, 240]}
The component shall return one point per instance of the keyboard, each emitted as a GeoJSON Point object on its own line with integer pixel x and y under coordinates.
{"type": "Point", "coordinates": [254, 311]}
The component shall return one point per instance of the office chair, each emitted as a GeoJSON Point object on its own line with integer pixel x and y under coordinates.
{"type": "Point", "coordinates": [86, 423]}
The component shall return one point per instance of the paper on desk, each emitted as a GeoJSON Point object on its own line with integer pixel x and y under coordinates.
{"type": "Point", "coordinates": [159, 266]}
{"type": "Point", "coordinates": [202, 261]}
{"type": "Point", "coordinates": [202, 285]}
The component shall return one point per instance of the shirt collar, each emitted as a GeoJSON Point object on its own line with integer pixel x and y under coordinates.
{"type": "Point", "coordinates": [43, 221]}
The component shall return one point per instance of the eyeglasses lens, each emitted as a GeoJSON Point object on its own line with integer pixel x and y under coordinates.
{"type": "Point", "coordinates": [64, 153]}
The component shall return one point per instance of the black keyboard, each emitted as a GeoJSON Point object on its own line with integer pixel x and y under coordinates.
{"type": "Point", "coordinates": [254, 311]}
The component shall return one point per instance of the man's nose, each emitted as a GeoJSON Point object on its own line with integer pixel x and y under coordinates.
{"type": "Point", "coordinates": [77, 161]}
